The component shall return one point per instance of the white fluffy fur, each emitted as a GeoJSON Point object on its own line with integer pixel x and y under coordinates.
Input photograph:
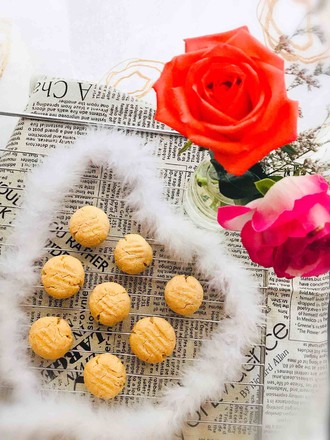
{"type": "Point", "coordinates": [30, 415]}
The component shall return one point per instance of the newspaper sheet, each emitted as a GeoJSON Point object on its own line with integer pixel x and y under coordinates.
{"type": "Point", "coordinates": [279, 373]}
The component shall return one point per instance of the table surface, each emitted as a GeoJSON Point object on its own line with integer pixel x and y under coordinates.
{"type": "Point", "coordinates": [125, 43]}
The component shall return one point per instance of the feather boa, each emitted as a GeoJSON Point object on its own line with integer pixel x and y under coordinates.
{"type": "Point", "coordinates": [30, 413]}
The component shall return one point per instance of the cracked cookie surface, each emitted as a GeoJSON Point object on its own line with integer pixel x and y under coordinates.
{"type": "Point", "coordinates": [184, 294]}
{"type": "Point", "coordinates": [152, 339]}
{"type": "Point", "coordinates": [62, 276]}
{"type": "Point", "coordinates": [50, 337]}
{"type": "Point", "coordinates": [89, 226]}
{"type": "Point", "coordinates": [105, 376]}
{"type": "Point", "coordinates": [133, 254]}
{"type": "Point", "coordinates": [109, 303]}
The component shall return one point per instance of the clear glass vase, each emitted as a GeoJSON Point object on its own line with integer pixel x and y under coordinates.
{"type": "Point", "coordinates": [202, 197]}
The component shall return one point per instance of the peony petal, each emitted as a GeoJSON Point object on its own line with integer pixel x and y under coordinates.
{"type": "Point", "coordinates": [292, 259]}
{"type": "Point", "coordinates": [307, 223]}
{"type": "Point", "coordinates": [281, 262]}
{"type": "Point", "coordinates": [321, 267]}
{"type": "Point", "coordinates": [277, 236]}
{"type": "Point", "coordinates": [282, 196]}
{"type": "Point", "coordinates": [234, 217]}
{"type": "Point", "coordinates": [197, 43]}
{"type": "Point", "coordinates": [322, 245]}
{"type": "Point", "coordinates": [309, 213]}
{"type": "Point", "coordinates": [301, 254]}
{"type": "Point", "coordinates": [303, 257]}
{"type": "Point", "coordinates": [255, 246]}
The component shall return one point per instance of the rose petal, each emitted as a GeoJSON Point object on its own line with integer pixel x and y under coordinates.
{"type": "Point", "coordinates": [277, 126]}
{"type": "Point", "coordinates": [204, 110]}
{"type": "Point", "coordinates": [264, 118]}
{"type": "Point", "coordinates": [173, 107]}
{"type": "Point", "coordinates": [224, 85]}
{"type": "Point", "coordinates": [233, 129]}
{"type": "Point", "coordinates": [189, 122]}
{"type": "Point", "coordinates": [197, 43]}
{"type": "Point", "coordinates": [178, 68]}
{"type": "Point", "coordinates": [258, 96]}
{"type": "Point", "coordinates": [246, 42]}
{"type": "Point", "coordinates": [237, 157]}
{"type": "Point", "coordinates": [214, 134]}
{"type": "Point", "coordinates": [244, 152]}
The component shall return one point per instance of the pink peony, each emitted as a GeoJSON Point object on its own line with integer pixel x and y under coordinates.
{"type": "Point", "coordinates": [288, 229]}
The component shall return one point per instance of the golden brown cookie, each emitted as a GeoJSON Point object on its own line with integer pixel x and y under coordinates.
{"type": "Point", "coordinates": [50, 337]}
{"type": "Point", "coordinates": [105, 376]}
{"type": "Point", "coordinates": [89, 226]}
{"type": "Point", "coordinates": [109, 303]}
{"type": "Point", "coordinates": [62, 276]}
{"type": "Point", "coordinates": [184, 295]}
{"type": "Point", "coordinates": [133, 254]}
{"type": "Point", "coordinates": [152, 339]}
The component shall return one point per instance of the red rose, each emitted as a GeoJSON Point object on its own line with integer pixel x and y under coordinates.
{"type": "Point", "coordinates": [227, 93]}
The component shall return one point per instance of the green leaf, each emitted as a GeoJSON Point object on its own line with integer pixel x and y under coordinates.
{"type": "Point", "coordinates": [289, 150]}
{"type": "Point", "coordinates": [276, 178]}
{"type": "Point", "coordinates": [186, 146]}
{"type": "Point", "coordinates": [238, 187]}
{"type": "Point", "coordinates": [263, 185]}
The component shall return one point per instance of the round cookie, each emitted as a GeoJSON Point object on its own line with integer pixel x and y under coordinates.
{"type": "Point", "coordinates": [105, 376]}
{"type": "Point", "coordinates": [109, 303]}
{"type": "Point", "coordinates": [89, 226]}
{"type": "Point", "coordinates": [62, 276]}
{"type": "Point", "coordinates": [50, 337]}
{"type": "Point", "coordinates": [152, 339]}
{"type": "Point", "coordinates": [133, 254]}
{"type": "Point", "coordinates": [184, 295]}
